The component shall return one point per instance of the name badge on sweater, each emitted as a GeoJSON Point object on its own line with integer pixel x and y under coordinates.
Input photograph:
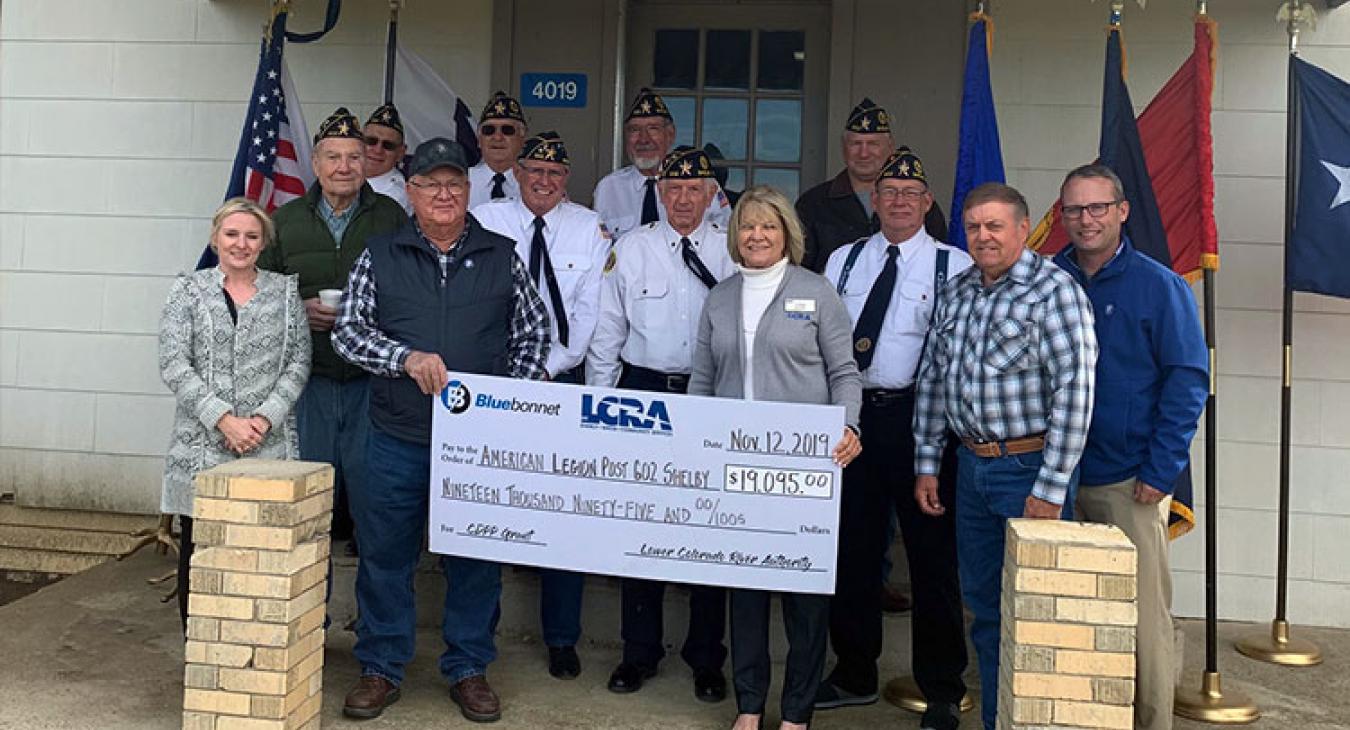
{"type": "Point", "coordinates": [800, 305]}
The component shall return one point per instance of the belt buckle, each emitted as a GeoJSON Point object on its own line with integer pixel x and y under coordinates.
{"type": "Point", "coordinates": [673, 382]}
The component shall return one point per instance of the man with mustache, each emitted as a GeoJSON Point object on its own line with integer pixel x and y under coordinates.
{"type": "Point", "coordinates": [627, 198]}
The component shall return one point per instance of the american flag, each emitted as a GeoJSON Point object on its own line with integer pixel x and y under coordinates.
{"type": "Point", "coordinates": [271, 166]}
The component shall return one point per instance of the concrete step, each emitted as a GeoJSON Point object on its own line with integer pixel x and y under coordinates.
{"type": "Point", "coordinates": [74, 520]}
{"type": "Point", "coordinates": [22, 560]}
{"type": "Point", "coordinates": [64, 540]}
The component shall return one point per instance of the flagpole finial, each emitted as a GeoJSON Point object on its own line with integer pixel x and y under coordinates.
{"type": "Point", "coordinates": [1201, 7]}
{"type": "Point", "coordinates": [1296, 14]}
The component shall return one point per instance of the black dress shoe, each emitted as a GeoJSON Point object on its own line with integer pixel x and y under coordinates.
{"type": "Point", "coordinates": [941, 716]}
{"type": "Point", "coordinates": [629, 677]}
{"type": "Point", "coordinates": [563, 662]}
{"type": "Point", "coordinates": [710, 685]}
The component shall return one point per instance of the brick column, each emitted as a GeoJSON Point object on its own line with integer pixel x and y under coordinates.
{"type": "Point", "coordinates": [256, 610]}
{"type": "Point", "coordinates": [1068, 631]}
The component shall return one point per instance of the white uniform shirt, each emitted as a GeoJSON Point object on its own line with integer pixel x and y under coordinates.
{"type": "Point", "coordinates": [618, 200]}
{"type": "Point", "coordinates": [900, 342]}
{"type": "Point", "coordinates": [650, 302]}
{"type": "Point", "coordinates": [480, 185]}
{"type": "Point", "coordinates": [392, 184]}
{"type": "Point", "coordinates": [577, 247]}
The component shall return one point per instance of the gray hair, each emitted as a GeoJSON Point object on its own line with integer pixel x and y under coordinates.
{"type": "Point", "coordinates": [996, 192]}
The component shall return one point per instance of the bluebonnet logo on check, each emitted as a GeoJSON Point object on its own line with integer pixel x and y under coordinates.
{"type": "Point", "coordinates": [612, 412]}
{"type": "Point", "coordinates": [457, 399]}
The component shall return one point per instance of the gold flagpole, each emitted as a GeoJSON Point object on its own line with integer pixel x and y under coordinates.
{"type": "Point", "coordinates": [1208, 703]}
{"type": "Point", "coordinates": [1276, 646]}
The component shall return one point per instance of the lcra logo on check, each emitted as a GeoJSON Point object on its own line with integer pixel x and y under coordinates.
{"type": "Point", "coordinates": [612, 412]}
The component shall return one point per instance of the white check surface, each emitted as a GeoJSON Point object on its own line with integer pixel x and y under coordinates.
{"type": "Point", "coordinates": [647, 485]}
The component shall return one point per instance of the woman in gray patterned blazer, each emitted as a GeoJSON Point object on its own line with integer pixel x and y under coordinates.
{"type": "Point", "coordinates": [234, 349]}
{"type": "Point", "coordinates": [776, 331]}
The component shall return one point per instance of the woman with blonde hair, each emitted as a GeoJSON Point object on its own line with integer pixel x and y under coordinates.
{"type": "Point", "coordinates": [751, 345]}
{"type": "Point", "coordinates": [234, 349]}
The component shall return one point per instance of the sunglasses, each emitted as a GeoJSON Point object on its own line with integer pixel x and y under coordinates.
{"type": "Point", "coordinates": [386, 144]}
{"type": "Point", "coordinates": [507, 130]}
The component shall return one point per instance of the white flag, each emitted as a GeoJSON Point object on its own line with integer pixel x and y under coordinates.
{"type": "Point", "coordinates": [428, 106]}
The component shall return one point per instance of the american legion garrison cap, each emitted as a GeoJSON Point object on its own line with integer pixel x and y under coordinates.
{"type": "Point", "coordinates": [341, 124]}
{"type": "Point", "coordinates": [648, 104]}
{"type": "Point", "coordinates": [501, 106]}
{"type": "Point", "coordinates": [686, 163]}
{"type": "Point", "coordinates": [903, 165]}
{"type": "Point", "coordinates": [387, 116]}
{"type": "Point", "coordinates": [868, 118]}
{"type": "Point", "coordinates": [545, 147]}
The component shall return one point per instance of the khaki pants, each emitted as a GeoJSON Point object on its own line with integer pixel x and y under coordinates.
{"type": "Point", "coordinates": [1146, 526]}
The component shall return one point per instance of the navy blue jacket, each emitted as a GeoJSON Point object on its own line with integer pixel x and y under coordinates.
{"type": "Point", "coordinates": [1152, 371]}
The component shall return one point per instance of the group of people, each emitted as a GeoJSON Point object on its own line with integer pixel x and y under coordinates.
{"type": "Point", "coordinates": [977, 386]}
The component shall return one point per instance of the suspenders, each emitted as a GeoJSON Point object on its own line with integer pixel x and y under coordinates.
{"type": "Point", "coordinates": [939, 273]}
{"type": "Point", "coordinates": [939, 281]}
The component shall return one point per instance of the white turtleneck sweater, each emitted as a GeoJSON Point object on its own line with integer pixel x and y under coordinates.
{"type": "Point", "coordinates": [757, 291]}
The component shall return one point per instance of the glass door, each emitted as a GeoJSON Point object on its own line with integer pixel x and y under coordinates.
{"type": "Point", "coordinates": [740, 78]}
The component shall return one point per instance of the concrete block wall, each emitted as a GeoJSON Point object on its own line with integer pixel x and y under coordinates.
{"type": "Point", "coordinates": [118, 126]}
{"type": "Point", "coordinates": [1068, 631]}
{"type": "Point", "coordinates": [1047, 77]}
{"type": "Point", "coordinates": [254, 654]}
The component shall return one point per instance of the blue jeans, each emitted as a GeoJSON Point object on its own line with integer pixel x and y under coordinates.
{"type": "Point", "coordinates": [391, 517]}
{"type": "Point", "coordinates": [334, 422]}
{"type": "Point", "coordinates": [989, 491]}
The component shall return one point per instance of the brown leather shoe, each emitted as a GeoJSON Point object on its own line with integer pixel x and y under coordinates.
{"type": "Point", "coordinates": [369, 697]}
{"type": "Point", "coordinates": [893, 600]}
{"type": "Point", "coordinates": [476, 700]}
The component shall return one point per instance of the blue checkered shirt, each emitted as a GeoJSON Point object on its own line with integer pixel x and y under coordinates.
{"type": "Point", "coordinates": [1011, 360]}
{"type": "Point", "coordinates": [358, 339]}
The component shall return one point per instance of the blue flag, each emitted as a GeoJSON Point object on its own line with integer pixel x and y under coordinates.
{"type": "Point", "coordinates": [1121, 150]}
{"type": "Point", "coordinates": [1317, 257]}
{"type": "Point", "coordinates": [979, 159]}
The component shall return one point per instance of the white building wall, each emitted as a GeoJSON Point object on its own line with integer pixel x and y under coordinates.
{"type": "Point", "coordinates": [1047, 60]}
{"type": "Point", "coordinates": [118, 126]}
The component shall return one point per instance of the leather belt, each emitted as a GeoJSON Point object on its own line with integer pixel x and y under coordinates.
{"type": "Point", "coordinates": [995, 449]}
{"type": "Point", "coordinates": [673, 382]}
{"type": "Point", "coordinates": [887, 397]}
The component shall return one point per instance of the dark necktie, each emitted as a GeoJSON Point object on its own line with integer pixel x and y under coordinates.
{"type": "Point", "coordinates": [539, 261]}
{"type": "Point", "coordinates": [497, 180]}
{"type": "Point", "coordinates": [695, 264]}
{"type": "Point", "coordinates": [867, 330]}
{"type": "Point", "coordinates": [649, 213]}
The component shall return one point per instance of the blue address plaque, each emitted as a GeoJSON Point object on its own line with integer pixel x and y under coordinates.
{"type": "Point", "coordinates": [553, 90]}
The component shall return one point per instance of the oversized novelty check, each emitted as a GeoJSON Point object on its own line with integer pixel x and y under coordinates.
{"type": "Point", "coordinates": [648, 485]}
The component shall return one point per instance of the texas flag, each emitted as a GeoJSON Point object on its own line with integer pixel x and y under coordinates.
{"type": "Point", "coordinates": [1318, 259]}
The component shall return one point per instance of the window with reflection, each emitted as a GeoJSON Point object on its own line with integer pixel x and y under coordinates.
{"type": "Point", "coordinates": [741, 90]}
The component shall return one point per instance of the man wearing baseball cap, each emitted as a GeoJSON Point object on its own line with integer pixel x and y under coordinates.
{"type": "Point", "coordinates": [445, 268]}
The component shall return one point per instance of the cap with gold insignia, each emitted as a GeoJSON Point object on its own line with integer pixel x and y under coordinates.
{"type": "Point", "coordinates": [686, 163]}
{"type": "Point", "coordinates": [501, 106]}
{"type": "Point", "coordinates": [868, 118]}
{"type": "Point", "coordinates": [648, 104]}
{"type": "Point", "coordinates": [903, 165]}
{"type": "Point", "coordinates": [341, 124]}
{"type": "Point", "coordinates": [545, 147]}
{"type": "Point", "coordinates": [386, 116]}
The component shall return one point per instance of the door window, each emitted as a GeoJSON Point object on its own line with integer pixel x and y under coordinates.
{"type": "Point", "coordinates": [741, 90]}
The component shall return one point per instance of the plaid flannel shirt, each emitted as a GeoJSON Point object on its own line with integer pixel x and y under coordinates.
{"type": "Point", "coordinates": [1007, 361]}
{"type": "Point", "coordinates": [358, 339]}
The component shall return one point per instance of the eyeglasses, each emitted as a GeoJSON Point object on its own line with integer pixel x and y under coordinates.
{"type": "Point", "coordinates": [906, 194]}
{"type": "Point", "coordinates": [386, 144]}
{"type": "Point", "coordinates": [450, 187]}
{"type": "Point", "coordinates": [507, 130]}
{"type": "Point", "coordinates": [1096, 210]}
